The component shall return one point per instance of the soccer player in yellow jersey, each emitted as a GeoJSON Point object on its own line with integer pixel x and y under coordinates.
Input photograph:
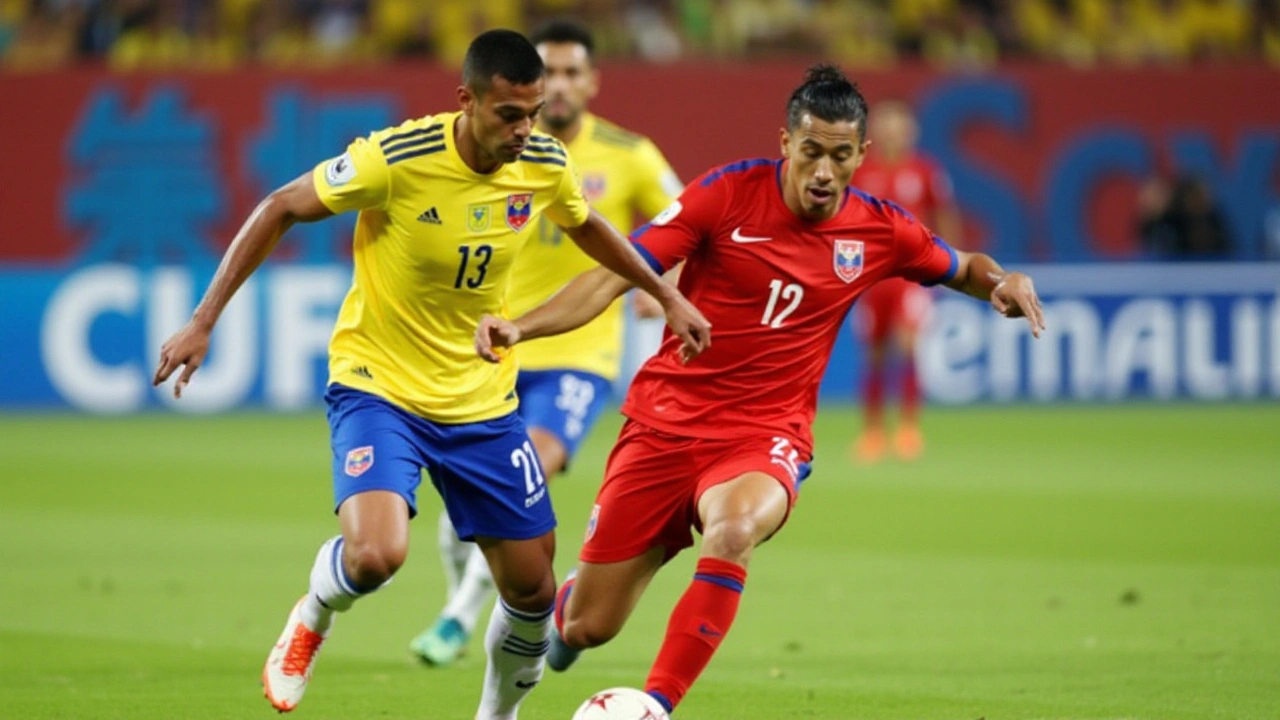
{"type": "Point", "coordinates": [564, 381]}
{"type": "Point", "coordinates": [445, 203]}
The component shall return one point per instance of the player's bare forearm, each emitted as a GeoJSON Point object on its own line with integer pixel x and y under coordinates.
{"type": "Point", "coordinates": [258, 236]}
{"type": "Point", "coordinates": [1012, 294]}
{"type": "Point", "coordinates": [604, 244]}
{"type": "Point", "coordinates": [577, 304]}
{"type": "Point", "coordinates": [977, 274]}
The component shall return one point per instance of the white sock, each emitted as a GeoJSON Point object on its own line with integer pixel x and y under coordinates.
{"type": "Point", "coordinates": [331, 590]}
{"type": "Point", "coordinates": [473, 593]}
{"type": "Point", "coordinates": [516, 642]}
{"type": "Point", "coordinates": [453, 554]}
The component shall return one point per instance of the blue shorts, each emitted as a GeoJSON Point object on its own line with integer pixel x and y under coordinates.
{"type": "Point", "coordinates": [486, 472]}
{"type": "Point", "coordinates": [565, 403]}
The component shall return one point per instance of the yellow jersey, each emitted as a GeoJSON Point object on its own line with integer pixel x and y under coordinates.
{"type": "Point", "coordinates": [623, 175]}
{"type": "Point", "coordinates": [433, 250]}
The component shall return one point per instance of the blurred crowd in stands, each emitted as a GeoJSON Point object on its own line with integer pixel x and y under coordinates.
{"type": "Point", "coordinates": [213, 34]}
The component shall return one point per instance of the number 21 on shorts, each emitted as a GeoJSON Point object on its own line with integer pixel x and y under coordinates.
{"type": "Point", "coordinates": [787, 456]}
{"type": "Point", "coordinates": [535, 485]}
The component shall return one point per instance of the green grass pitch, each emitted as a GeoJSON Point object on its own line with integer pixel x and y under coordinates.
{"type": "Point", "coordinates": [1079, 563]}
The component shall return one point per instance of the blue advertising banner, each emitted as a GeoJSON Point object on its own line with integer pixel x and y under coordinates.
{"type": "Point", "coordinates": [88, 339]}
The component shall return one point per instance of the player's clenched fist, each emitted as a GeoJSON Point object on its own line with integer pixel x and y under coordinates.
{"type": "Point", "coordinates": [1015, 296]}
{"type": "Point", "coordinates": [186, 350]}
{"type": "Point", "coordinates": [494, 333]}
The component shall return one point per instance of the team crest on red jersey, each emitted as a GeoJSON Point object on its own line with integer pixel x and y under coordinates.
{"type": "Point", "coordinates": [359, 460]}
{"type": "Point", "coordinates": [848, 259]}
{"type": "Point", "coordinates": [591, 524]}
{"type": "Point", "coordinates": [519, 210]}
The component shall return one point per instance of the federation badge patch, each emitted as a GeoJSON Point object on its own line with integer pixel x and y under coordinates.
{"type": "Point", "coordinates": [359, 460]}
{"type": "Point", "coordinates": [593, 186]}
{"type": "Point", "coordinates": [477, 218]}
{"type": "Point", "coordinates": [519, 210]}
{"type": "Point", "coordinates": [848, 259]}
{"type": "Point", "coordinates": [340, 170]}
{"type": "Point", "coordinates": [668, 214]}
{"type": "Point", "coordinates": [591, 524]}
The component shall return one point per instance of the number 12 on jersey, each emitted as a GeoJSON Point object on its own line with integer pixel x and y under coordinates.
{"type": "Point", "coordinates": [790, 295]}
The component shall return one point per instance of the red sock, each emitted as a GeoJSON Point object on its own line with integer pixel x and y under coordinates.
{"type": "Point", "coordinates": [697, 625]}
{"type": "Point", "coordinates": [562, 599]}
{"type": "Point", "coordinates": [873, 396]}
{"type": "Point", "coordinates": [910, 391]}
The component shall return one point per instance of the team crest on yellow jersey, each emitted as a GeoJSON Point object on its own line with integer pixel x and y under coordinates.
{"type": "Point", "coordinates": [478, 217]}
{"type": "Point", "coordinates": [593, 186]}
{"type": "Point", "coordinates": [519, 210]}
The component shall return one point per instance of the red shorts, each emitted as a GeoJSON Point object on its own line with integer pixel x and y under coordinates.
{"type": "Point", "coordinates": [891, 305]}
{"type": "Point", "coordinates": [654, 479]}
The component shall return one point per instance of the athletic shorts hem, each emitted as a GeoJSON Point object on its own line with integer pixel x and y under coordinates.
{"type": "Point", "coordinates": [605, 556]}
{"type": "Point", "coordinates": [503, 534]}
{"type": "Point", "coordinates": [349, 491]}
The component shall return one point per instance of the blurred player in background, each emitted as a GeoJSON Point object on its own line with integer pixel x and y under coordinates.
{"type": "Point", "coordinates": [565, 381]}
{"type": "Point", "coordinates": [446, 202]}
{"type": "Point", "coordinates": [776, 252]}
{"type": "Point", "coordinates": [889, 316]}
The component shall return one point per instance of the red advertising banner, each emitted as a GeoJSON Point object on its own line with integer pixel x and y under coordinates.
{"type": "Point", "coordinates": [1047, 161]}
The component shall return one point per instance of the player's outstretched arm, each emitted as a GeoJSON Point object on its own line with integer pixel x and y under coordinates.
{"type": "Point", "coordinates": [604, 244]}
{"type": "Point", "coordinates": [261, 231]}
{"type": "Point", "coordinates": [575, 305]}
{"type": "Point", "coordinates": [1012, 294]}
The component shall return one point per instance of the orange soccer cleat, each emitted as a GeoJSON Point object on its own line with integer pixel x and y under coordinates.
{"type": "Point", "coordinates": [870, 447]}
{"type": "Point", "coordinates": [289, 666]}
{"type": "Point", "coordinates": [908, 442]}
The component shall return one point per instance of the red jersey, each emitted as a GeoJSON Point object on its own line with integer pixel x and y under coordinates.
{"type": "Point", "coordinates": [916, 183]}
{"type": "Point", "coordinates": [776, 289]}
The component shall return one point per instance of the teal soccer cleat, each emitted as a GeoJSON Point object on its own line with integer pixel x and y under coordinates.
{"type": "Point", "coordinates": [441, 645]}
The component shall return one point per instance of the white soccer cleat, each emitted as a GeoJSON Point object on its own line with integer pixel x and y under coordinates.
{"type": "Point", "coordinates": [288, 668]}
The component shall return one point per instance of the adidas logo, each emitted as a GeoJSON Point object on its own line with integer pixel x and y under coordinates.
{"type": "Point", "coordinates": [430, 216]}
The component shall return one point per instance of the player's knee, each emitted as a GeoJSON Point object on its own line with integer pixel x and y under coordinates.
{"type": "Point", "coordinates": [372, 564]}
{"type": "Point", "coordinates": [731, 538]}
{"type": "Point", "coordinates": [588, 632]}
{"type": "Point", "coordinates": [533, 595]}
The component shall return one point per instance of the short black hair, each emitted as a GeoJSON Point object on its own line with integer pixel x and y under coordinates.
{"type": "Point", "coordinates": [828, 95]}
{"type": "Point", "coordinates": [505, 53]}
{"type": "Point", "coordinates": [564, 30]}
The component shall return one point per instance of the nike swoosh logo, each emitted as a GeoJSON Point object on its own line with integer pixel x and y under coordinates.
{"type": "Point", "coordinates": [738, 237]}
{"type": "Point", "coordinates": [525, 685]}
{"type": "Point", "coordinates": [706, 629]}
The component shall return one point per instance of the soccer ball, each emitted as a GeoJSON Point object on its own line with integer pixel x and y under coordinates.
{"type": "Point", "coordinates": [621, 703]}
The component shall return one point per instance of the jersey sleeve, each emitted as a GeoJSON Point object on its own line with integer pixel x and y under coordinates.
{"type": "Point", "coordinates": [921, 256]}
{"type": "Point", "coordinates": [355, 180]}
{"type": "Point", "coordinates": [656, 183]}
{"type": "Point", "coordinates": [569, 208]}
{"type": "Point", "coordinates": [676, 232]}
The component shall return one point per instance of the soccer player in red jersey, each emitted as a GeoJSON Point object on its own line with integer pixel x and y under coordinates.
{"type": "Point", "coordinates": [775, 253]}
{"type": "Point", "coordinates": [890, 314]}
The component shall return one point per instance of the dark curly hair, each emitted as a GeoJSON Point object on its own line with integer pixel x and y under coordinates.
{"type": "Point", "coordinates": [828, 94]}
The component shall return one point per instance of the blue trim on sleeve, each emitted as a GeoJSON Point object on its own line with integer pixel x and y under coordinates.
{"type": "Point", "coordinates": [410, 154]}
{"type": "Point", "coordinates": [951, 271]}
{"type": "Point", "coordinates": [545, 159]}
{"type": "Point", "coordinates": [644, 252]}
{"type": "Point", "coordinates": [416, 142]}
{"type": "Point", "coordinates": [740, 166]}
